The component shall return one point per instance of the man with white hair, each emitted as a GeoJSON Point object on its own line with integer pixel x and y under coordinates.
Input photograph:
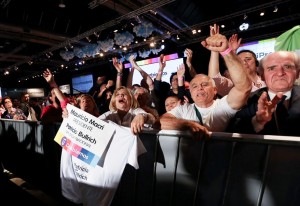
{"type": "Point", "coordinates": [273, 110]}
{"type": "Point", "coordinates": [208, 113]}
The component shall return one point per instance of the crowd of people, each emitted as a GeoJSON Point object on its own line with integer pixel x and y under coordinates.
{"type": "Point", "coordinates": [244, 99]}
{"type": "Point", "coordinates": [252, 97]}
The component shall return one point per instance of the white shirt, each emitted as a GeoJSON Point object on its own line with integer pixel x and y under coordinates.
{"type": "Point", "coordinates": [82, 183]}
{"type": "Point", "coordinates": [215, 118]}
{"type": "Point", "coordinates": [127, 119]}
{"type": "Point", "coordinates": [287, 94]}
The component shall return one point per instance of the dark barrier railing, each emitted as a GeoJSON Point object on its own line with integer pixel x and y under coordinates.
{"type": "Point", "coordinates": [228, 169]}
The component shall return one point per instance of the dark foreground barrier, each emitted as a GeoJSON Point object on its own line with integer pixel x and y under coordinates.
{"type": "Point", "coordinates": [229, 169]}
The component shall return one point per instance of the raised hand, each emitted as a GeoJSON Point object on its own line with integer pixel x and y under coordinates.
{"type": "Point", "coordinates": [216, 42]}
{"type": "Point", "coordinates": [132, 61]}
{"type": "Point", "coordinates": [48, 76]}
{"type": "Point", "coordinates": [215, 29]}
{"type": "Point", "coordinates": [162, 62]}
{"type": "Point", "coordinates": [110, 83]}
{"type": "Point", "coordinates": [265, 108]}
{"type": "Point", "coordinates": [189, 56]}
{"type": "Point", "coordinates": [117, 65]}
{"type": "Point", "coordinates": [180, 70]}
{"type": "Point", "coordinates": [234, 42]}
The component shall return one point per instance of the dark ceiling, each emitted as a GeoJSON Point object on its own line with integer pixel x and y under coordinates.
{"type": "Point", "coordinates": [34, 33]}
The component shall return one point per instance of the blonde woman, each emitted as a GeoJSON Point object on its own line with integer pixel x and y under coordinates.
{"type": "Point", "coordinates": [125, 111]}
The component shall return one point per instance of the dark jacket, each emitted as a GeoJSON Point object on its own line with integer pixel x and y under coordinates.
{"type": "Point", "coordinates": [241, 123]}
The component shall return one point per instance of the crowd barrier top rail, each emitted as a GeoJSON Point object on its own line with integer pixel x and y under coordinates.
{"type": "Point", "coordinates": [227, 169]}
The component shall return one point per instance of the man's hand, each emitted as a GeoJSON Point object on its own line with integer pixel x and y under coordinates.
{"type": "Point", "coordinates": [215, 29]}
{"type": "Point", "coordinates": [216, 42]}
{"type": "Point", "coordinates": [199, 132]}
{"type": "Point", "coordinates": [265, 108]}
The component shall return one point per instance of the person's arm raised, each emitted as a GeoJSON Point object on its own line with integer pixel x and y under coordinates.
{"type": "Point", "coordinates": [48, 76]}
{"type": "Point", "coordinates": [119, 68]}
{"type": "Point", "coordinates": [144, 74]}
{"type": "Point", "coordinates": [223, 84]}
{"type": "Point", "coordinates": [130, 75]}
{"type": "Point", "coordinates": [162, 65]}
{"type": "Point", "coordinates": [214, 63]}
{"type": "Point", "coordinates": [239, 94]}
{"type": "Point", "coordinates": [189, 57]}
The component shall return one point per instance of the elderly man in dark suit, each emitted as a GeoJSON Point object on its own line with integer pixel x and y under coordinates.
{"type": "Point", "coordinates": [274, 110]}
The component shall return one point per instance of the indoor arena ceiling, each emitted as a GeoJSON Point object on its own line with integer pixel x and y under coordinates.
{"type": "Point", "coordinates": [39, 34]}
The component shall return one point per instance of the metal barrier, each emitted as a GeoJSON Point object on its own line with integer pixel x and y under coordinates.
{"type": "Point", "coordinates": [228, 169]}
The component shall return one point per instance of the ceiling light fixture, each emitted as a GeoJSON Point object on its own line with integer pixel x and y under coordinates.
{"type": "Point", "coordinates": [152, 44]}
{"type": "Point", "coordinates": [244, 26]}
{"type": "Point", "coordinates": [275, 9]}
{"type": "Point", "coordinates": [245, 16]}
{"type": "Point", "coordinates": [262, 13]}
{"type": "Point", "coordinates": [61, 4]}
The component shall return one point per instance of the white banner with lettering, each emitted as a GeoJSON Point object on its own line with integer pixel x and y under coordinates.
{"type": "Point", "coordinates": [94, 155]}
{"type": "Point", "coordinates": [78, 135]}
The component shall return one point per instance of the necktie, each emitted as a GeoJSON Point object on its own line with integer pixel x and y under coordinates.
{"type": "Point", "coordinates": [281, 115]}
